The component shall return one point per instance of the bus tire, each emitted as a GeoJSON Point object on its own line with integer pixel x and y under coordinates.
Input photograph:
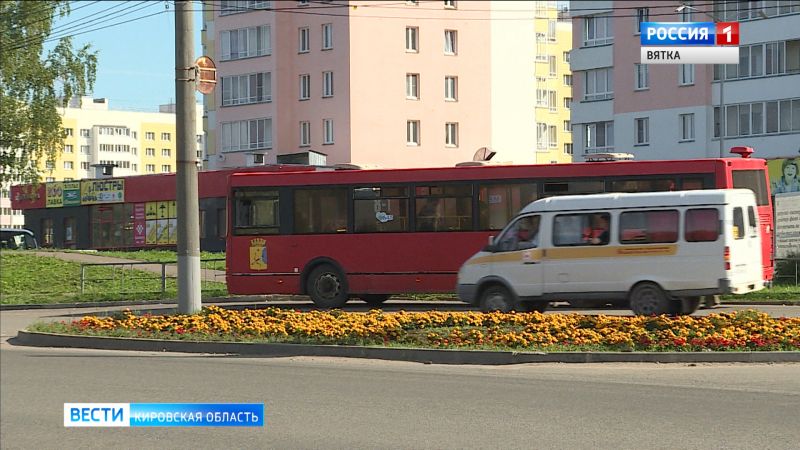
{"type": "Point", "coordinates": [327, 287]}
{"type": "Point", "coordinates": [374, 299]}
{"type": "Point", "coordinates": [649, 299]}
{"type": "Point", "coordinates": [497, 298]}
{"type": "Point", "coordinates": [689, 305]}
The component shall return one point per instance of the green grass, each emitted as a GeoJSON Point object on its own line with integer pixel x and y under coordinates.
{"type": "Point", "coordinates": [778, 292]}
{"type": "Point", "coordinates": [164, 256]}
{"type": "Point", "coordinates": [29, 279]}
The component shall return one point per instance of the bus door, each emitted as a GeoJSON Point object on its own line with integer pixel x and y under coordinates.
{"type": "Point", "coordinates": [518, 257]}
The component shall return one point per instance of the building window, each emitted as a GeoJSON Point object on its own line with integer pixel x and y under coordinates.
{"type": "Point", "coordinates": [254, 134]}
{"type": "Point", "coordinates": [450, 4]}
{"type": "Point", "coordinates": [47, 232]}
{"type": "Point", "coordinates": [150, 168]}
{"type": "Point", "coordinates": [567, 149]}
{"type": "Point", "coordinates": [327, 131]}
{"type": "Point", "coordinates": [166, 137]}
{"type": "Point", "coordinates": [247, 89]}
{"type": "Point", "coordinates": [686, 74]}
{"type": "Point", "coordinates": [642, 15]}
{"type": "Point", "coordinates": [565, 56]}
{"type": "Point", "coordinates": [412, 45]}
{"type": "Point", "coordinates": [85, 165]}
{"type": "Point", "coordinates": [551, 30]}
{"type": "Point", "coordinates": [451, 88]}
{"type": "Point", "coordinates": [597, 31]}
{"type": "Point", "coordinates": [50, 165]}
{"type": "Point", "coordinates": [165, 168]}
{"type": "Point", "coordinates": [245, 42]}
{"type": "Point", "coordinates": [567, 80]}
{"type": "Point", "coordinates": [412, 132]}
{"type": "Point", "coordinates": [642, 131]}
{"type": "Point", "coordinates": [150, 151]}
{"type": "Point", "coordinates": [450, 42]}
{"type": "Point", "coordinates": [552, 136]}
{"type": "Point", "coordinates": [553, 66]}
{"type": "Point", "coordinates": [68, 132]}
{"type": "Point", "coordinates": [327, 84]}
{"type": "Point", "coordinates": [686, 13]}
{"type": "Point", "coordinates": [135, 167]}
{"type": "Point", "coordinates": [68, 148]}
{"type": "Point", "coordinates": [150, 136]}
{"type": "Point", "coordinates": [327, 36]}
{"type": "Point", "coordinates": [303, 45]}
{"type": "Point", "coordinates": [305, 134]}
{"type": "Point", "coordinates": [599, 84]}
{"type": "Point", "coordinates": [305, 86]}
{"type": "Point", "coordinates": [85, 132]}
{"type": "Point", "coordinates": [686, 122]}
{"type": "Point", "coordinates": [85, 149]}
{"type": "Point", "coordinates": [412, 86]}
{"type": "Point", "coordinates": [166, 152]}
{"type": "Point", "coordinates": [567, 126]}
{"type": "Point", "coordinates": [451, 134]}
{"type": "Point", "coordinates": [568, 102]}
{"type": "Point", "coordinates": [640, 71]}
{"type": "Point", "coordinates": [68, 165]}
{"type": "Point", "coordinates": [50, 179]}
{"type": "Point", "coordinates": [241, 6]}
{"type": "Point", "coordinates": [541, 136]}
{"type": "Point", "coordinates": [599, 137]}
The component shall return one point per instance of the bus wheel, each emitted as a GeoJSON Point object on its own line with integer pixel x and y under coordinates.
{"type": "Point", "coordinates": [327, 287]}
{"type": "Point", "coordinates": [374, 299]}
{"type": "Point", "coordinates": [648, 299]}
{"type": "Point", "coordinates": [497, 298]}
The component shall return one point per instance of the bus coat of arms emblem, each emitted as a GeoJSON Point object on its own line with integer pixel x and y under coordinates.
{"type": "Point", "coordinates": [258, 254]}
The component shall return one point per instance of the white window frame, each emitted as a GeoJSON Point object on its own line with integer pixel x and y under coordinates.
{"type": "Point", "coordinates": [68, 148]}
{"type": "Point", "coordinates": [451, 134]}
{"type": "Point", "coordinates": [642, 15]}
{"type": "Point", "coordinates": [641, 131]}
{"type": "Point", "coordinates": [450, 42]}
{"type": "Point", "coordinates": [238, 89]}
{"type": "Point", "coordinates": [166, 168]}
{"type": "Point", "coordinates": [412, 86]}
{"type": "Point", "coordinates": [253, 134]}
{"type": "Point", "coordinates": [598, 84]}
{"type": "Point", "coordinates": [451, 88]}
{"type": "Point", "coordinates": [592, 135]}
{"type": "Point", "coordinates": [245, 43]}
{"type": "Point", "coordinates": [305, 134]}
{"type": "Point", "coordinates": [69, 165]}
{"type": "Point", "coordinates": [327, 84]}
{"type": "Point", "coordinates": [413, 133]}
{"type": "Point", "coordinates": [150, 168]}
{"type": "Point", "coordinates": [567, 80]}
{"type": "Point", "coordinates": [305, 87]}
{"type": "Point", "coordinates": [327, 36]}
{"type": "Point", "coordinates": [327, 132]}
{"type": "Point", "coordinates": [412, 39]}
{"type": "Point", "coordinates": [597, 30]}
{"type": "Point", "coordinates": [166, 136]}
{"type": "Point", "coordinates": [552, 136]}
{"type": "Point", "coordinates": [641, 76]}
{"type": "Point", "coordinates": [568, 126]}
{"type": "Point", "coordinates": [685, 74]}
{"type": "Point", "coordinates": [303, 40]}
{"type": "Point", "coordinates": [541, 136]}
{"type": "Point", "coordinates": [686, 127]}
{"type": "Point", "coordinates": [450, 4]}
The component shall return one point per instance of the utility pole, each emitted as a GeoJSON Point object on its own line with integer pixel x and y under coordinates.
{"type": "Point", "coordinates": [188, 205]}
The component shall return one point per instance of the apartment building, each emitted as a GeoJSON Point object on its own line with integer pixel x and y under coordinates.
{"type": "Point", "coordinates": [387, 83]}
{"type": "Point", "coordinates": [136, 143]}
{"type": "Point", "coordinates": [674, 111]}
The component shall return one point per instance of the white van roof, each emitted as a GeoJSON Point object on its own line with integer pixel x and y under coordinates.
{"type": "Point", "coordinates": [638, 200]}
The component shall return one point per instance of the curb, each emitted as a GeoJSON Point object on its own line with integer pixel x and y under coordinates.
{"type": "Point", "coordinates": [164, 301]}
{"type": "Point", "coordinates": [426, 356]}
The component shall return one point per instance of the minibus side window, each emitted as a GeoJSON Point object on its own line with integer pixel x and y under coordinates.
{"type": "Point", "coordinates": [702, 225]}
{"type": "Point", "coordinates": [581, 229]}
{"type": "Point", "coordinates": [522, 235]}
{"type": "Point", "coordinates": [648, 227]}
{"type": "Point", "coordinates": [738, 223]}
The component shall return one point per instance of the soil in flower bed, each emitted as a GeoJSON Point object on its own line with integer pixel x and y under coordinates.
{"type": "Point", "coordinates": [739, 331]}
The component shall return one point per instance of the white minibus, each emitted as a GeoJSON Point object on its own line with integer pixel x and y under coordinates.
{"type": "Point", "coordinates": [658, 251]}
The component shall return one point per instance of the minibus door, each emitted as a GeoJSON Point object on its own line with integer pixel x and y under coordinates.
{"type": "Point", "coordinates": [518, 257]}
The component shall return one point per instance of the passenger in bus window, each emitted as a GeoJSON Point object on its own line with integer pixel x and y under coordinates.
{"type": "Point", "coordinates": [599, 233]}
{"type": "Point", "coordinates": [429, 214]}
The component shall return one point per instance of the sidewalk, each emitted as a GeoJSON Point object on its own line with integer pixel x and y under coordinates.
{"type": "Point", "coordinates": [171, 269]}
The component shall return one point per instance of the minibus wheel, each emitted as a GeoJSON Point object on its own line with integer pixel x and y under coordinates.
{"type": "Point", "coordinates": [374, 299]}
{"type": "Point", "coordinates": [327, 287]}
{"type": "Point", "coordinates": [689, 305]}
{"type": "Point", "coordinates": [648, 299]}
{"type": "Point", "coordinates": [497, 298]}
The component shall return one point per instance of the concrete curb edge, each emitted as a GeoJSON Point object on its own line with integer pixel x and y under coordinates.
{"type": "Point", "coordinates": [427, 356]}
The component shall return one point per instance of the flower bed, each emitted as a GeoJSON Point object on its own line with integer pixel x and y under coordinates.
{"type": "Point", "coordinates": [742, 331]}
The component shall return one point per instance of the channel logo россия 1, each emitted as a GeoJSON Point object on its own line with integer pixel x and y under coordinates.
{"type": "Point", "coordinates": [690, 42]}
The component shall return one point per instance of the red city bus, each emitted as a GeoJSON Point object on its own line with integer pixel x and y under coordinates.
{"type": "Point", "coordinates": [367, 234]}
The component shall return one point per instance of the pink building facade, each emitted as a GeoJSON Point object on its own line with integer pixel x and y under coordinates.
{"type": "Point", "coordinates": [378, 83]}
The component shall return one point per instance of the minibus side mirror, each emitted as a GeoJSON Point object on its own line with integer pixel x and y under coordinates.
{"type": "Point", "coordinates": [490, 246]}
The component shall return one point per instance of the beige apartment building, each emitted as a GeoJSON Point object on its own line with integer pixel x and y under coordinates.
{"type": "Point", "coordinates": [135, 143]}
{"type": "Point", "coordinates": [386, 83]}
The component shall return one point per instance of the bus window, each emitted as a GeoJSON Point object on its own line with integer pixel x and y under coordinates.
{"type": "Point", "coordinates": [702, 225]}
{"type": "Point", "coordinates": [648, 227]}
{"type": "Point", "coordinates": [692, 184]}
{"type": "Point", "coordinates": [751, 217]}
{"type": "Point", "coordinates": [642, 185]}
{"type": "Point", "coordinates": [498, 203]}
{"type": "Point", "coordinates": [755, 181]}
{"type": "Point", "coordinates": [320, 210]}
{"type": "Point", "coordinates": [444, 208]}
{"type": "Point", "coordinates": [581, 229]}
{"type": "Point", "coordinates": [255, 212]}
{"type": "Point", "coordinates": [573, 187]}
{"type": "Point", "coordinates": [381, 209]}
{"type": "Point", "coordinates": [738, 223]}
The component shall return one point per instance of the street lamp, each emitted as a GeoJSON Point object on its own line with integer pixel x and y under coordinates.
{"type": "Point", "coordinates": [721, 82]}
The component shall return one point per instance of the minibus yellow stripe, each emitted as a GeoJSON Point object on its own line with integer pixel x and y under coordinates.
{"type": "Point", "coordinates": [581, 252]}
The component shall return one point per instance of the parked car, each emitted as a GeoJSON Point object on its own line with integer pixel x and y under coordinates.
{"type": "Point", "coordinates": [17, 239]}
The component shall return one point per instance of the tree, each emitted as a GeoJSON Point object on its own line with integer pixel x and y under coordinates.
{"type": "Point", "coordinates": [33, 85]}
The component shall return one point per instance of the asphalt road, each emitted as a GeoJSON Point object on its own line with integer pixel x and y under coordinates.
{"type": "Point", "coordinates": [354, 404]}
